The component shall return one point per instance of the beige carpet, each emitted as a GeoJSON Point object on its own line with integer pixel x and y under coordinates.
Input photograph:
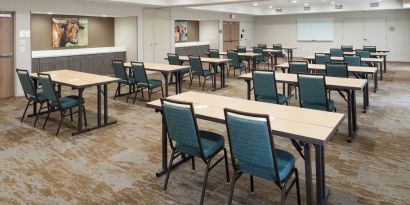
{"type": "Point", "coordinates": [116, 164]}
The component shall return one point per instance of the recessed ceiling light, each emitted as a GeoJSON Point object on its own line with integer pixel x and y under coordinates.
{"type": "Point", "coordinates": [50, 13]}
{"type": "Point", "coordinates": [306, 4]}
{"type": "Point", "coordinates": [332, 2]}
{"type": "Point", "coordinates": [380, 0]}
{"type": "Point", "coordinates": [294, 1]}
{"type": "Point", "coordinates": [104, 15]}
{"type": "Point", "coordinates": [255, 4]}
{"type": "Point", "coordinates": [270, 7]}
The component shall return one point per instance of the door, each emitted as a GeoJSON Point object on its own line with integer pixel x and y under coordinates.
{"type": "Point", "coordinates": [375, 32]}
{"type": "Point", "coordinates": [6, 55]}
{"type": "Point", "coordinates": [162, 35]}
{"type": "Point", "coordinates": [352, 32]}
{"type": "Point", "coordinates": [230, 35]}
{"type": "Point", "coordinates": [148, 35]}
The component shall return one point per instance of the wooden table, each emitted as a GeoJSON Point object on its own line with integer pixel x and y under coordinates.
{"type": "Point", "coordinates": [81, 81]}
{"type": "Point", "coordinates": [215, 62]}
{"type": "Point", "coordinates": [310, 126]}
{"type": "Point", "coordinates": [348, 85]}
{"type": "Point", "coordinates": [166, 69]}
{"type": "Point", "coordinates": [379, 54]}
{"type": "Point", "coordinates": [376, 62]}
{"type": "Point", "coordinates": [288, 50]}
{"type": "Point", "coordinates": [249, 56]}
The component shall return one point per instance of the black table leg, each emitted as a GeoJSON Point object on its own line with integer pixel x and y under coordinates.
{"type": "Point", "coordinates": [248, 91]}
{"type": "Point", "coordinates": [380, 67]}
{"type": "Point", "coordinates": [321, 191]}
{"type": "Point", "coordinates": [166, 83]}
{"type": "Point", "coordinates": [177, 81]}
{"type": "Point", "coordinates": [308, 173]}
{"type": "Point", "coordinates": [376, 81]}
{"type": "Point", "coordinates": [80, 112]}
{"type": "Point", "coordinates": [385, 63]}
{"type": "Point", "coordinates": [98, 105]}
{"type": "Point", "coordinates": [354, 114]}
{"type": "Point", "coordinates": [254, 63]}
{"type": "Point", "coordinates": [105, 95]}
{"type": "Point", "coordinates": [272, 59]}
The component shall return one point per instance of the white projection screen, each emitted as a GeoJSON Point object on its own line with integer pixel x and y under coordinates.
{"type": "Point", "coordinates": [315, 29]}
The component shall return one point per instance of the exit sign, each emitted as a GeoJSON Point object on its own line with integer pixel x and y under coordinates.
{"type": "Point", "coordinates": [232, 16]}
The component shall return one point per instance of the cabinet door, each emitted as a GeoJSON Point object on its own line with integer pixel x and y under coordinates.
{"type": "Point", "coordinates": [87, 64]}
{"type": "Point", "coordinates": [108, 70]}
{"type": "Point", "coordinates": [35, 65]}
{"type": "Point", "coordinates": [74, 63]}
{"type": "Point", "coordinates": [46, 64]}
{"type": "Point", "coordinates": [119, 56]}
{"type": "Point", "coordinates": [61, 63]}
{"type": "Point", "coordinates": [98, 64]}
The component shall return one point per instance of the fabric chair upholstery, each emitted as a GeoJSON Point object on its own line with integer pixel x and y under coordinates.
{"type": "Point", "coordinates": [336, 52]}
{"type": "Point", "coordinates": [280, 52]}
{"type": "Point", "coordinates": [322, 58]}
{"type": "Point", "coordinates": [372, 49]}
{"type": "Point", "coordinates": [312, 93]}
{"type": "Point", "coordinates": [347, 48]}
{"type": "Point", "coordinates": [298, 67]}
{"type": "Point", "coordinates": [214, 53]}
{"type": "Point", "coordinates": [337, 70]}
{"type": "Point", "coordinates": [353, 60]}
{"type": "Point", "coordinates": [265, 89]}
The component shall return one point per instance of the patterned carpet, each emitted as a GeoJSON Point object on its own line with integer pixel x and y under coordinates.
{"type": "Point", "coordinates": [116, 164]}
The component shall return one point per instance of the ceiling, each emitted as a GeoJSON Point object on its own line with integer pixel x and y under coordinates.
{"type": "Point", "coordinates": [268, 7]}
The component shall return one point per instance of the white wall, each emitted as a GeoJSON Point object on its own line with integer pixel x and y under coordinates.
{"type": "Point", "coordinates": [23, 9]}
{"type": "Point", "coordinates": [282, 29]}
{"type": "Point", "coordinates": [126, 35]}
{"type": "Point", "coordinates": [209, 32]}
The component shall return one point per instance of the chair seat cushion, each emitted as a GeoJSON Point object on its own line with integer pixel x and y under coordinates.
{"type": "Point", "coordinates": [68, 102]}
{"type": "Point", "coordinates": [211, 143]}
{"type": "Point", "coordinates": [151, 84]}
{"type": "Point", "coordinates": [269, 99]}
{"type": "Point", "coordinates": [205, 73]}
{"type": "Point", "coordinates": [285, 161]}
{"type": "Point", "coordinates": [317, 106]}
{"type": "Point", "coordinates": [240, 66]}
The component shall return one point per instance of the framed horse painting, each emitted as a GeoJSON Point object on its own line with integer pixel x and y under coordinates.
{"type": "Point", "coordinates": [69, 32]}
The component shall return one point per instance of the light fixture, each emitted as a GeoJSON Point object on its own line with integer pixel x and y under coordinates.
{"type": "Point", "coordinates": [306, 4]}
{"type": "Point", "coordinates": [255, 4]}
{"type": "Point", "coordinates": [50, 13]}
{"type": "Point", "coordinates": [332, 2]}
{"type": "Point", "coordinates": [104, 15]}
{"type": "Point", "coordinates": [294, 1]}
{"type": "Point", "coordinates": [270, 7]}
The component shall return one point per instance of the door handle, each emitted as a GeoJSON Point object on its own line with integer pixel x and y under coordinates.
{"type": "Point", "coordinates": [6, 54]}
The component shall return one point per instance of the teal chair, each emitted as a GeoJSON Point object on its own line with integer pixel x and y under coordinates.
{"type": "Point", "coordinates": [198, 71]}
{"type": "Point", "coordinates": [214, 53]}
{"type": "Point", "coordinates": [265, 89]}
{"type": "Point", "coordinates": [235, 63]}
{"type": "Point", "coordinates": [241, 49]}
{"type": "Point", "coordinates": [142, 81]}
{"type": "Point", "coordinates": [125, 80]}
{"type": "Point", "coordinates": [322, 58]}
{"type": "Point", "coordinates": [253, 152]}
{"type": "Point", "coordinates": [260, 59]}
{"type": "Point", "coordinates": [265, 54]}
{"type": "Point", "coordinates": [186, 139]}
{"type": "Point", "coordinates": [372, 49]}
{"type": "Point", "coordinates": [353, 60]}
{"type": "Point", "coordinates": [313, 93]}
{"type": "Point", "coordinates": [56, 103]}
{"type": "Point", "coordinates": [298, 67]}
{"type": "Point", "coordinates": [279, 53]}
{"type": "Point", "coordinates": [262, 45]}
{"type": "Point", "coordinates": [173, 59]}
{"type": "Point", "coordinates": [30, 92]}
{"type": "Point", "coordinates": [336, 52]}
{"type": "Point", "coordinates": [337, 70]}
{"type": "Point", "coordinates": [363, 54]}
{"type": "Point", "coordinates": [347, 48]}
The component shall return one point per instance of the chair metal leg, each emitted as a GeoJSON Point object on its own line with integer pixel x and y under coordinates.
{"type": "Point", "coordinates": [85, 117]}
{"type": "Point", "coordinates": [129, 93]}
{"type": "Point", "coordinates": [71, 114]}
{"type": "Point", "coordinates": [169, 170]}
{"type": "Point", "coordinates": [38, 114]}
{"type": "Point", "coordinates": [226, 165]}
{"type": "Point", "coordinates": [203, 87]}
{"type": "Point", "coordinates": [193, 163]}
{"type": "Point", "coordinates": [48, 116]}
{"type": "Point", "coordinates": [149, 94]}
{"type": "Point", "coordinates": [135, 96]}
{"type": "Point", "coordinates": [205, 181]}
{"type": "Point", "coordinates": [252, 187]}
{"type": "Point", "coordinates": [162, 90]}
{"type": "Point", "coordinates": [233, 180]}
{"type": "Point", "coordinates": [61, 121]}
{"type": "Point", "coordinates": [297, 186]}
{"type": "Point", "coordinates": [283, 196]}
{"type": "Point", "coordinates": [25, 110]}
{"type": "Point", "coordinates": [117, 91]}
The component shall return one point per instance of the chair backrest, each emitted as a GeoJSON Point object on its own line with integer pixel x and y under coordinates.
{"type": "Point", "coordinates": [251, 142]}
{"type": "Point", "coordinates": [353, 60]}
{"type": "Point", "coordinates": [48, 88]}
{"type": "Point", "coordinates": [26, 83]}
{"type": "Point", "coordinates": [213, 53]}
{"type": "Point", "coordinates": [173, 59]}
{"type": "Point", "coordinates": [277, 47]}
{"type": "Point", "coordinates": [337, 52]}
{"type": "Point", "coordinates": [181, 124]}
{"type": "Point", "coordinates": [196, 64]}
{"type": "Point", "coordinates": [258, 50]}
{"type": "Point", "coordinates": [241, 49]}
{"type": "Point", "coordinates": [139, 73]}
{"type": "Point", "coordinates": [347, 48]}
{"type": "Point", "coordinates": [262, 45]}
{"type": "Point", "coordinates": [372, 49]}
{"type": "Point", "coordinates": [322, 58]}
{"type": "Point", "coordinates": [336, 69]}
{"type": "Point", "coordinates": [119, 70]}
{"type": "Point", "coordinates": [234, 57]}
{"type": "Point", "coordinates": [298, 67]}
{"type": "Point", "coordinates": [312, 92]}
{"type": "Point", "coordinates": [363, 53]}
{"type": "Point", "coordinates": [264, 85]}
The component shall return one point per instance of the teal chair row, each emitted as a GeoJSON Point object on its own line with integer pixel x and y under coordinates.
{"type": "Point", "coordinates": [197, 71]}
{"type": "Point", "coordinates": [173, 59]}
{"type": "Point", "coordinates": [250, 140]}
{"type": "Point", "coordinates": [235, 63]}
{"type": "Point", "coordinates": [262, 58]}
{"type": "Point", "coordinates": [347, 48]}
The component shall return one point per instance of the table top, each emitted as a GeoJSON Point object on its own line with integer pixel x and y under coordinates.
{"type": "Point", "coordinates": [351, 69]}
{"type": "Point", "coordinates": [285, 48]}
{"type": "Point", "coordinates": [247, 54]}
{"type": "Point", "coordinates": [351, 53]}
{"type": "Point", "coordinates": [367, 60]}
{"type": "Point", "coordinates": [309, 125]}
{"type": "Point", "coordinates": [331, 82]}
{"type": "Point", "coordinates": [77, 79]}
{"type": "Point", "coordinates": [207, 60]}
{"type": "Point", "coordinates": [161, 67]}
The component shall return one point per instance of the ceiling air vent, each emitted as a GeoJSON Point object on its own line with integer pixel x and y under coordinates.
{"type": "Point", "coordinates": [306, 8]}
{"type": "Point", "coordinates": [279, 10]}
{"type": "Point", "coordinates": [339, 6]}
{"type": "Point", "coordinates": [374, 5]}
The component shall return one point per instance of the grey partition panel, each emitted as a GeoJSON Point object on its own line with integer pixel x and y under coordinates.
{"type": "Point", "coordinates": [120, 56]}
{"type": "Point", "coordinates": [74, 63]}
{"type": "Point", "coordinates": [98, 61]}
{"type": "Point", "coordinates": [203, 49]}
{"type": "Point", "coordinates": [35, 65]}
{"type": "Point", "coordinates": [182, 51]}
{"type": "Point", "coordinates": [108, 57]}
{"type": "Point", "coordinates": [46, 64]}
{"type": "Point", "coordinates": [61, 63]}
{"type": "Point", "coordinates": [87, 63]}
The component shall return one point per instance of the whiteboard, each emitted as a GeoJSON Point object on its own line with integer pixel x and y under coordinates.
{"type": "Point", "coordinates": [315, 29]}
